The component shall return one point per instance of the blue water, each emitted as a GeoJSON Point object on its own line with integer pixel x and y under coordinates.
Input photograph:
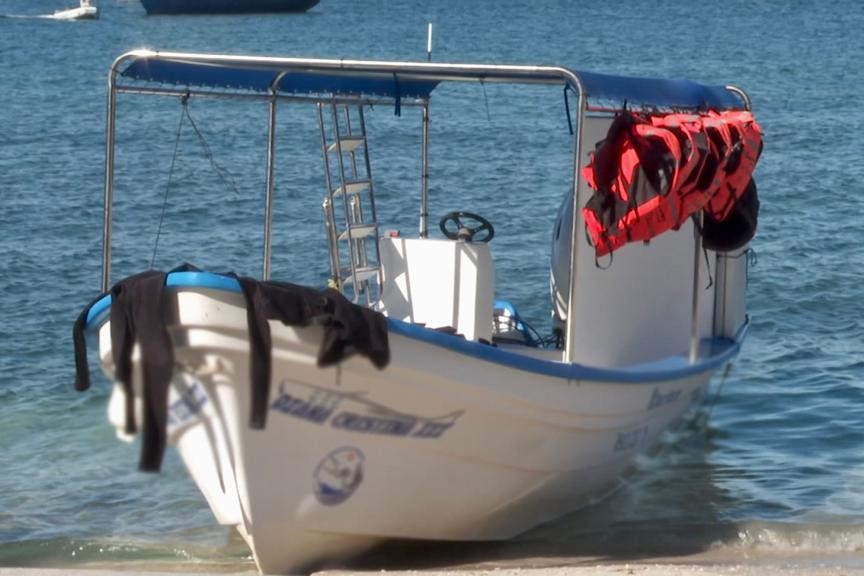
{"type": "Point", "coordinates": [774, 464]}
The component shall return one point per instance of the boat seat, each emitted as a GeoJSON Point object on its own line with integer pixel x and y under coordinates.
{"type": "Point", "coordinates": [439, 283]}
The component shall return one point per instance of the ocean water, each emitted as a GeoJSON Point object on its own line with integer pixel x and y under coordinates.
{"type": "Point", "coordinates": [773, 465]}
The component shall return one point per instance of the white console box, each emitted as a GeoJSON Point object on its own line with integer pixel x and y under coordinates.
{"type": "Point", "coordinates": [439, 283]}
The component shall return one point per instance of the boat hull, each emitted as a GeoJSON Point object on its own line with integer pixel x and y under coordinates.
{"type": "Point", "coordinates": [352, 455]}
{"type": "Point", "coordinates": [225, 6]}
{"type": "Point", "coordinates": [79, 13]}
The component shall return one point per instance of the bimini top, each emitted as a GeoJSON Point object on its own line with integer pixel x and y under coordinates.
{"type": "Point", "coordinates": [401, 80]}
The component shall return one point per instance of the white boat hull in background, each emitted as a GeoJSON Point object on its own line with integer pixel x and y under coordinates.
{"type": "Point", "coordinates": [80, 13]}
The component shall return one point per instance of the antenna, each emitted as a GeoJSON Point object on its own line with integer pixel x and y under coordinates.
{"type": "Point", "coordinates": [429, 42]}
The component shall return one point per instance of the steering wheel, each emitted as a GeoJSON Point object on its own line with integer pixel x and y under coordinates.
{"type": "Point", "coordinates": [468, 225]}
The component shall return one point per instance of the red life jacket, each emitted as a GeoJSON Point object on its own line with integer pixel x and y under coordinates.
{"type": "Point", "coordinates": [741, 153]}
{"type": "Point", "coordinates": [651, 173]}
{"type": "Point", "coordinates": [694, 146]}
{"type": "Point", "coordinates": [636, 172]}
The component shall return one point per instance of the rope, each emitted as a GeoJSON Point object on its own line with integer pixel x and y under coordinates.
{"type": "Point", "coordinates": [183, 101]}
{"type": "Point", "coordinates": [710, 408]}
{"type": "Point", "coordinates": [221, 172]}
{"type": "Point", "coordinates": [486, 100]}
{"type": "Point", "coordinates": [567, 109]}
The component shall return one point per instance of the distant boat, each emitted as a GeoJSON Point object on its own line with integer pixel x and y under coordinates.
{"type": "Point", "coordinates": [86, 11]}
{"type": "Point", "coordinates": [225, 6]}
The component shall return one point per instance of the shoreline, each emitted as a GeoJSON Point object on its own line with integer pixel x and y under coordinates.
{"type": "Point", "coordinates": [649, 568]}
{"type": "Point", "coordinates": [552, 550]}
{"type": "Point", "coordinates": [708, 563]}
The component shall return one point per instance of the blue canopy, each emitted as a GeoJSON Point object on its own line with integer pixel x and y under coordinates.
{"type": "Point", "coordinates": [658, 92]}
{"type": "Point", "coordinates": [260, 79]}
{"type": "Point", "coordinates": [407, 80]}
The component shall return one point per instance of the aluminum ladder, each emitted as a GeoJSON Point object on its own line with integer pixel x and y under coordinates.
{"type": "Point", "coordinates": [349, 205]}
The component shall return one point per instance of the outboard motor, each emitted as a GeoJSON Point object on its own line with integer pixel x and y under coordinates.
{"type": "Point", "coordinates": [559, 275]}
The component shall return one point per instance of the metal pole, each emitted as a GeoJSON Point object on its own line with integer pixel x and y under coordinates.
{"type": "Point", "coordinates": [110, 132]}
{"type": "Point", "coordinates": [329, 216]}
{"type": "Point", "coordinates": [268, 206]}
{"type": "Point", "coordinates": [570, 342]}
{"type": "Point", "coordinates": [424, 178]}
{"type": "Point", "coordinates": [744, 96]}
{"type": "Point", "coordinates": [694, 328]}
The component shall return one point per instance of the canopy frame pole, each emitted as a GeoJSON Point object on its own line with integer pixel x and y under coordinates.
{"type": "Point", "coordinates": [271, 177]}
{"type": "Point", "coordinates": [741, 94]}
{"type": "Point", "coordinates": [575, 236]}
{"type": "Point", "coordinates": [424, 177]}
{"type": "Point", "coordinates": [696, 310]}
{"type": "Point", "coordinates": [110, 135]}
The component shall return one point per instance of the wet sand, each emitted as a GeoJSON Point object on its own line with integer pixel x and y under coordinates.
{"type": "Point", "coordinates": [811, 566]}
{"type": "Point", "coordinates": [547, 553]}
{"type": "Point", "coordinates": [719, 562]}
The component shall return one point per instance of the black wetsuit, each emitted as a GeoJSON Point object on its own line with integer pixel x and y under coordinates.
{"type": "Point", "coordinates": [138, 315]}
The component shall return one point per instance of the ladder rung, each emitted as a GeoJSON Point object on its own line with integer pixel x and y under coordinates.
{"type": "Point", "coordinates": [355, 187]}
{"type": "Point", "coordinates": [358, 231]}
{"type": "Point", "coordinates": [364, 273]}
{"type": "Point", "coordinates": [349, 143]}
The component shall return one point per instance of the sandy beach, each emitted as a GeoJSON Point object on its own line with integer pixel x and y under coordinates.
{"type": "Point", "coordinates": [718, 562]}
{"type": "Point", "coordinates": [811, 566]}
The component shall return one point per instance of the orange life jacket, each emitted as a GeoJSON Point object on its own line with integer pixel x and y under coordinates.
{"type": "Point", "coordinates": [651, 173]}
{"type": "Point", "coordinates": [694, 146]}
{"type": "Point", "coordinates": [743, 147]}
{"type": "Point", "coordinates": [637, 173]}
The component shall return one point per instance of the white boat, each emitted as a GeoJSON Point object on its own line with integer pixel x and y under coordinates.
{"type": "Point", "coordinates": [477, 435]}
{"type": "Point", "coordinates": [85, 11]}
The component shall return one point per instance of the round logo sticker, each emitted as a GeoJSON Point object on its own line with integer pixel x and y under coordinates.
{"type": "Point", "coordinates": [338, 475]}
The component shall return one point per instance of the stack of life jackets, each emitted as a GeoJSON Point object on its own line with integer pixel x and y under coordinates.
{"type": "Point", "coordinates": [651, 173]}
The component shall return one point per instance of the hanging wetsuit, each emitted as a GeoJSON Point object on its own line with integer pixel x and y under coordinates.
{"type": "Point", "coordinates": [348, 328]}
{"type": "Point", "coordinates": [138, 309]}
